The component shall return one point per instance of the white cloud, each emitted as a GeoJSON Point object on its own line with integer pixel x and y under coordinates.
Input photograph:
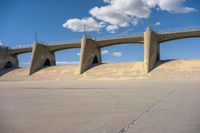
{"type": "Point", "coordinates": [78, 54]}
{"type": "Point", "coordinates": [152, 3]}
{"type": "Point", "coordinates": [123, 13]}
{"type": "Point", "coordinates": [157, 24]}
{"type": "Point", "coordinates": [107, 1]}
{"type": "Point", "coordinates": [112, 28]}
{"type": "Point", "coordinates": [77, 25]}
{"type": "Point", "coordinates": [174, 6]}
{"type": "Point", "coordinates": [117, 54]}
{"type": "Point", "coordinates": [104, 52]}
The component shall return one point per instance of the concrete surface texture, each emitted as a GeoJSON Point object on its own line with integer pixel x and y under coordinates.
{"type": "Point", "coordinates": [100, 107]}
{"type": "Point", "coordinates": [89, 55]}
{"type": "Point", "coordinates": [18, 51]}
{"type": "Point", "coordinates": [7, 59]}
{"type": "Point", "coordinates": [151, 50]}
{"type": "Point", "coordinates": [165, 70]}
{"type": "Point", "coordinates": [41, 57]}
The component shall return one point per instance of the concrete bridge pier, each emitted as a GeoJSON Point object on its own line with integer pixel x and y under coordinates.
{"type": "Point", "coordinates": [151, 50]}
{"type": "Point", "coordinates": [41, 57]}
{"type": "Point", "coordinates": [90, 54]}
{"type": "Point", "coordinates": [7, 60]}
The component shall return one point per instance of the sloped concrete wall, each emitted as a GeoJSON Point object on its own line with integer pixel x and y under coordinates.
{"type": "Point", "coordinates": [39, 55]}
{"type": "Point", "coordinates": [151, 50]}
{"type": "Point", "coordinates": [5, 57]}
{"type": "Point", "coordinates": [88, 52]}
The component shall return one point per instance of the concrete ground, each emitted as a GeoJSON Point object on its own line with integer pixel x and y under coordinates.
{"type": "Point", "coordinates": [84, 106]}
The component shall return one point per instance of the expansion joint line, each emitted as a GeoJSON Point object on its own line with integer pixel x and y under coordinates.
{"type": "Point", "coordinates": [151, 108]}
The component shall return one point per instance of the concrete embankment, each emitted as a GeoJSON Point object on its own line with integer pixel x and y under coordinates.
{"type": "Point", "coordinates": [174, 69]}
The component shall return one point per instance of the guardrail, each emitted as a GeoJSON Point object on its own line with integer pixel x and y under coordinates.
{"type": "Point", "coordinates": [21, 46]}
{"type": "Point", "coordinates": [62, 42]}
{"type": "Point", "coordinates": [184, 29]}
{"type": "Point", "coordinates": [119, 36]}
{"type": "Point", "coordinates": [159, 31]}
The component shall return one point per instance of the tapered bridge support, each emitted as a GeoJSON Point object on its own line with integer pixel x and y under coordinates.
{"type": "Point", "coordinates": [151, 50]}
{"type": "Point", "coordinates": [89, 55]}
{"type": "Point", "coordinates": [7, 60]}
{"type": "Point", "coordinates": [41, 57]}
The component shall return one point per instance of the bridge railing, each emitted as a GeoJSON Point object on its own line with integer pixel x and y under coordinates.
{"type": "Point", "coordinates": [183, 29]}
{"type": "Point", "coordinates": [21, 46]}
{"type": "Point", "coordinates": [62, 42]}
{"type": "Point", "coordinates": [1, 46]}
{"type": "Point", "coordinates": [41, 42]}
{"type": "Point", "coordinates": [159, 31]}
{"type": "Point", "coordinates": [118, 36]}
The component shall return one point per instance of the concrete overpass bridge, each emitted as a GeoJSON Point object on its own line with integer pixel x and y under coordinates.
{"type": "Point", "coordinates": [43, 54]}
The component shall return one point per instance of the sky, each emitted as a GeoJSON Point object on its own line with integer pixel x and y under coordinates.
{"type": "Point", "coordinates": [64, 20]}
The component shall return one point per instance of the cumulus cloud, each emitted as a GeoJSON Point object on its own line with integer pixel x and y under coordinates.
{"type": "Point", "coordinates": [157, 24]}
{"type": "Point", "coordinates": [174, 6]}
{"type": "Point", "coordinates": [77, 25]}
{"type": "Point", "coordinates": [112, 28]}
{"type": "Point", "coordinates": [115, 54]}
{"type": "Point", "coordinates": [123, 13]}
{"type": "Point", "coordinates": [78, 54]}
{"type": "Point", "coordinates": [104, 52]}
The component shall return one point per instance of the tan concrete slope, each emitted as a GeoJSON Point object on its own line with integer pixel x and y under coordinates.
{"type": "Point", "coordinates": [174, 69]}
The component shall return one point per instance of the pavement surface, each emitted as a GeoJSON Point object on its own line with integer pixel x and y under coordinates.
{"type": "Point", "coordinates": [131, 106]}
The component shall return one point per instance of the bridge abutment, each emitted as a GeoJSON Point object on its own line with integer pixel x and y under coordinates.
{"type": "Point", "coordinates": [41, 57]}
{"type": "Point", "coordinates": [90, 54]}
{"type": "Point", "coordinates": [151, 50]}
{"type": "Point", "coordinates": [7, 60]}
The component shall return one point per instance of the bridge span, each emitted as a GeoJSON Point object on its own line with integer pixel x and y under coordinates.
{"type": "Point", "coordinates": [43, 53]}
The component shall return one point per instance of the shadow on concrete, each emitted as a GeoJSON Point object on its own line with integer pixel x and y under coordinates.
{"type": "Point", "coordinates": [7, 70]}
{"type": "Point", "coordinates": [161, 62]}
{"type": "Point", "coordinates": [94, 65]}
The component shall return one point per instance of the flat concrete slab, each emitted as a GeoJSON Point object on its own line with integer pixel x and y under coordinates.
{"type": "Point", "coordinates": [100, 106]}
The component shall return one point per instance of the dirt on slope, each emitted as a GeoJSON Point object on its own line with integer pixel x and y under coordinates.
{"type": "Point", "coordinates": [173, 69]}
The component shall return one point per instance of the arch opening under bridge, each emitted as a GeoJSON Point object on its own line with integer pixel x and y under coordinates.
{"type": "Point", "coordinates": [132, 52]}
{"type": "Point", "coordinates": [69, 56]}
{"type": "Point", "coordinates": [23, 56]}
{"type": "Point", "coordinates": [47, 63]}
{"type": "Point", "coordinates": [24, 59]}
{"type": "Point", "coordinates": [181, 48]}
{"type": "Point", "coordinates": [8, 65]}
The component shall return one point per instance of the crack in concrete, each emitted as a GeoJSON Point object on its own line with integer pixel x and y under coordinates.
{"type": "Point", "coordinates": [151, 108]}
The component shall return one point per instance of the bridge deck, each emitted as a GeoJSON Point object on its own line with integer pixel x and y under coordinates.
{"type": "Point", "coordinates": [163, 37]}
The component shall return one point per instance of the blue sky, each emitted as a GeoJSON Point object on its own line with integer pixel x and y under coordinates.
{"type": "Point", "coordinates": [20, 19]}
